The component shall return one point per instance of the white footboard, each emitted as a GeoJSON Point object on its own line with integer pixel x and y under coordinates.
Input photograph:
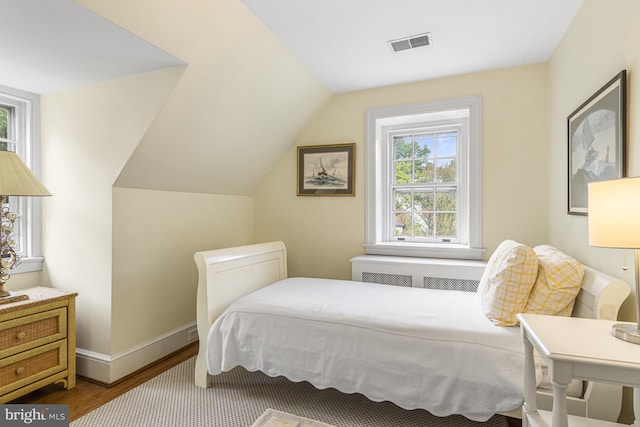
{"type": "Point", "coordinates": [224, 275]}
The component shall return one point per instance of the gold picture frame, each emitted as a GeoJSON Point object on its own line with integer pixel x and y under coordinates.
{"type": "Point", "coordinates": [326, 170]}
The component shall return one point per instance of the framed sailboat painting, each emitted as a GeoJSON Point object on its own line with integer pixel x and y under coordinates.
{"type": "Point", "coordinates": [326, 170]}
{"type": "Point", "coordinates": [597, 141]}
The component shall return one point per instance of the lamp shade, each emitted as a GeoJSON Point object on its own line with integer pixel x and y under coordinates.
{"type": "Point", "coordinates": [16, 179]}
{"type": "Point", "coordinates": [614, 213]}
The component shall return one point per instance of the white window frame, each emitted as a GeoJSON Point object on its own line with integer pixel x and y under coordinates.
{"type": "Point", "coordinates": [460, 126]}
{"type": "Point", "coordinates": [26, 143]}
{"type": "Point", "coordinates": [381, 121]}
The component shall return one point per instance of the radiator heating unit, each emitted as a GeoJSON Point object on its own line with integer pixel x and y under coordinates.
{"type": "Point", "coordinates": [430, 273]}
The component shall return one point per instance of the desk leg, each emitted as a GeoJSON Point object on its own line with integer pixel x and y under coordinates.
{"type": "Point", "coordinates": [636, 407]}
{"type": "Point", "coordinates": [529, 389]}
{"type": "Point", "coordinates": [560, 377]}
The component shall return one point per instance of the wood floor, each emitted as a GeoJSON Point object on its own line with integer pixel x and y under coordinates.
{"type": "Point", "coordinates": [87, 396]}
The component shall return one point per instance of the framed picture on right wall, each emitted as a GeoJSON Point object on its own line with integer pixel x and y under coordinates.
{"type": "Point", "coordinates": [597, 141]}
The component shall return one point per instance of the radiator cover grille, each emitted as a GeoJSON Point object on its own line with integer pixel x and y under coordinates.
{"type": "Point", "coordinates": [443, 283]}
{"type": "Point", "coordinates": [450, 284]}
{"type": "Point", "coordinates": [427, 273]}
{"type": "Point", "coordinates": [387, 279]}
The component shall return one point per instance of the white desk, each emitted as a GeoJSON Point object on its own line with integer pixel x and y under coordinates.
{"type": "Point", "coordinates": [575, 348]}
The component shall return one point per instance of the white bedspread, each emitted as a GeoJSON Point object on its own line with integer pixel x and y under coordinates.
{"type": "Point", "coordinates": [418, 348]}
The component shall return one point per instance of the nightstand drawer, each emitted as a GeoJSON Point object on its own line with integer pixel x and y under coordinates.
{"type": "Point", "coordinates": [37, 342]}
{"type": "Point", "coordinates": [31, 331]}
{"type": "Point", "coordinates": [32, 365]}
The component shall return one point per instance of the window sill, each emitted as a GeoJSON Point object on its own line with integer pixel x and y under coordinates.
{"type": "Point", "coordinates": [28, 265]}
{"type": "Point", "coordinates": [424, 250]}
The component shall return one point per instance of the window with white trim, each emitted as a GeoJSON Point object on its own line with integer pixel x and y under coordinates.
{"type": "Point", "coordinates": [20, 132]}
{"type": "Point", "coordinates": [423, 174]}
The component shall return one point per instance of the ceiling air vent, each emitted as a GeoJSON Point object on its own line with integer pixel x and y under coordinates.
{"type": "Point", "coordinates": [410, 42]}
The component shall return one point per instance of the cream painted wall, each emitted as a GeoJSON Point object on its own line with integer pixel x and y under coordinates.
{"type": "Point", "coordinates": [323, 233]}
{"type": "Point", "coordinates": [602, 41]}
{"type": "Point", "coordinates": [24, 281]}
{"type": "Point", "coordinates": [156, 234]}
{"type": "Point", "coordinates": [214, 126]}
{"type": "Point", "coordinates": [87, 136]}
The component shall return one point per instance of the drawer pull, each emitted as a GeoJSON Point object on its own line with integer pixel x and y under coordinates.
{"type": "Point", "coordinates": [20, 370]}
{"type": "Point", "coordinates": [20, 335]}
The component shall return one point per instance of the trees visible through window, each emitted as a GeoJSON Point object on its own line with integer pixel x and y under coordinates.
{"type": "Point", "coordinates": [425, 184]}
{"type": "Point", "coordinates": [423, 180]}
{"type": "Point", "coordinates": [5, 116]}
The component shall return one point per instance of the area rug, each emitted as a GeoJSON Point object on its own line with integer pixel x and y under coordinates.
{"type": "Point", "coordinates": [239, 398]}
{"type": "Point", "coordinates": [273, 418]}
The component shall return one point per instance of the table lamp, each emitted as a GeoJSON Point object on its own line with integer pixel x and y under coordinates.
{"type": "Point", "coordinates": [16, 179]}
{"type": "Point", "coordinates": [614, 222]}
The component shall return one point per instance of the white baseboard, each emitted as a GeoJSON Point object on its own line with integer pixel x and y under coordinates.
{"type": "Point", "coordinates": [108, 369]}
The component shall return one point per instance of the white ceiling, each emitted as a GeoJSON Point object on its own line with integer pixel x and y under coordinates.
{"type": "Point", "coordinates": [52, 45]}
{"type": "Point", "coordinates": [344, 42]}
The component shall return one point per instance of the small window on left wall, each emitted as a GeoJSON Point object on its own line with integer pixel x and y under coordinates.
{"type": "Point", "coordinates": [20, 132]}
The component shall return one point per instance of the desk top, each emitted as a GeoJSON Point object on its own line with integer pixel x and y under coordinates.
{"type": "Point", "coordinates": [36, 296]}
{"type": "Point", "coordinates": [574, 339]}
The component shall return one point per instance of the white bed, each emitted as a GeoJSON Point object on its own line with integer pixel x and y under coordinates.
{"type": "Point", "coordinates": [417, 348]}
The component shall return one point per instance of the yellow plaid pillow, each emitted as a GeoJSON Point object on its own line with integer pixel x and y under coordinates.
{"type": "Point", "coordinates": [507, 281]}
{"type": "Point", "coordinates": [558, 282]}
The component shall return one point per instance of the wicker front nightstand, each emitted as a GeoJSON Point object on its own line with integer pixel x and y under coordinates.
{"type": "Point", "coordinates": [37, 342]}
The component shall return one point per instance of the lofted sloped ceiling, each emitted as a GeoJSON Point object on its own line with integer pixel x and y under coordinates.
{"type": "Point", "coordinates": [54, 45]}
{"type": "Point", "coordinates": [236, 109]}
{"type": "Point", "coordinates": [258, 70]}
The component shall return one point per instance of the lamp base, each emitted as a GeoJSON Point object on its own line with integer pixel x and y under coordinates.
{"type": "Point", "coordinates": [626, 332]}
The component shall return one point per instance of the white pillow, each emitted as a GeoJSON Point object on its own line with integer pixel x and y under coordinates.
{"type": "Point", "coordinates": [507, 281]}
{"type": "Point", "coordinates": [558, 282]}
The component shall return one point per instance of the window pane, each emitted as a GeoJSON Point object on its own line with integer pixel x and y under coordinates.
{"type": "Point", "coordinates": [446, 199]}
{"type": "Point", "coordinates": [402, 147]}
{"type": "Point", "coordinates": [423, 200]}
{"type": "Point", "coordinates": [446, 225]}
{"type": "Point", "coordinates": [4, 122]}
{"type": "Point", "coordinates": [402, 200]}
{"type": "Point", "coordinates": [424, 146]}
{"type": "Point", "coordinates": [422, 160]}
{"type": "Point", "coordinates": [403, 224]}
{"type": "Point", "coordinates": [402, 173]}
{"type": "Point", "coordinates": [423, 225]}
{"type": "Point", "coordinates": [423, 171]}
{"type": "Point", "coordinates": [447, 144]}
{"type": "Point", "coordinates": [446, 171]}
